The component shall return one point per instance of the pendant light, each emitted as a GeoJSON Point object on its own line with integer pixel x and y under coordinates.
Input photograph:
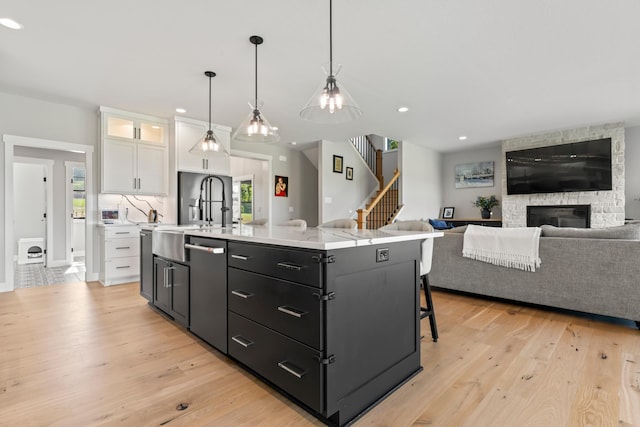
{"type": "Point", "coordinates": [256, 127]}
{"type": "Point", "coordinates": [208, 145]}
{"type": "Point", "coordinates": [331, 103]}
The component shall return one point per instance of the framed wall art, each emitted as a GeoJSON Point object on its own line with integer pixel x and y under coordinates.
{"type": "Point", "coordinates": [349, 173]}
{"type": "Point", "coordinates": [337, 164]}
{"type": "Point", "coordinates": [447, 213]}
{"type": "Point", "coordinates": [473, 175]}
{"type": "Point", "coordinates": [282, 186]}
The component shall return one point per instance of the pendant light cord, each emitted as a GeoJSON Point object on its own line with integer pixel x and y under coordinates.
{"type": "Point", "coordinates": [209, 102]}
{"type": "Point", "coordinates": [255, 107]}
{"type": "Point", "coordinates": [330, 39]}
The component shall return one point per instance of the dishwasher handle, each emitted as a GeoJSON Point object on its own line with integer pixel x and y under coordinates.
{"type": "Point", "coordinates": [204, 248]}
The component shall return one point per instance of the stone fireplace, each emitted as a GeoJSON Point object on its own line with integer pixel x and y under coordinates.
{"type": "Point", "coordinates": [607, 207]}
{"type": "Point", "coordinates": [578, 216]}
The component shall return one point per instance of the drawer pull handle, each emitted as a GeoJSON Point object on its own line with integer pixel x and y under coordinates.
{"type": "Point", "coordinates": [122, 232]}
{"type": "Point", "coordinates": [291, 311]}
{"type": "Point", "coordinates": [242, 341]}
{"type": "Point", "coordinates": [289, 266]}
{"type": "Point", "coordinates": [204, 248]}
{"type": "Point", "coordinates": [240, 257]}
{"type": "Point", "coordinates": [124, 247]}
{"type": "Point", "coordinates": [292, 369]}
{"type": "Point", "coordinates": [123, 266]}
{"type": "Point", "coordinates": [242, 294]}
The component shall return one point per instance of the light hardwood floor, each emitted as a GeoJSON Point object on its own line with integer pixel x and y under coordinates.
{"type": "Point", "coordinates": [86, 355]}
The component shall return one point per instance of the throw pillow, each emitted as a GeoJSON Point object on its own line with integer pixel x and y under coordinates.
{"type": "Point", "coordinates": [625, 232]}
{"type": "Point", "coordinates": [438, 224]}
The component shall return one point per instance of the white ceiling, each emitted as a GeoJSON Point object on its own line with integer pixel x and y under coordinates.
{"type": "Point", "coordinates": [488, 69]}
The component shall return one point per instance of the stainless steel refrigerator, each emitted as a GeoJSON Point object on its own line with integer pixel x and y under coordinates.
{"type": "Point", "coordinates": [202, 198]}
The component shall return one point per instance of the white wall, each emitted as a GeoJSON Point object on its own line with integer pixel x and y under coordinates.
{"type": "Point", "coordinates": [303, 181]}
{"type": "Point", "coordinates": [35, 118]}
{"type": "Point", "coordinates": [420, 189]}
{"type": "Point", "coordinates": [340, 198]}
{"type": "Point", "coordinates": [462, 198]}
{"type": "Point", "coordinates": [632, 172]}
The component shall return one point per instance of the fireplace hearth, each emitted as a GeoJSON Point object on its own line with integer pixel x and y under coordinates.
{"type": "Point", "coordinates": [578, 216]}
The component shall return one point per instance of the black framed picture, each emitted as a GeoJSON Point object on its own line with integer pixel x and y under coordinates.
{"type": "Point", "coordinates": [349, 173]}
{"type": "Point", "coordinates": [447, 213]}
{"type": "Point", "coordinates": [337, 164]}
{"type": "Point", "coordinates": [282, 186]}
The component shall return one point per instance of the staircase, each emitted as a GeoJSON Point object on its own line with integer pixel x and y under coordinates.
{"type": "Point", "coordinates": [384, 207]}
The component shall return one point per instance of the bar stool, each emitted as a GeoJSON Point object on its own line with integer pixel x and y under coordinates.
{"type": "Point", "coordinates": [426, 253]}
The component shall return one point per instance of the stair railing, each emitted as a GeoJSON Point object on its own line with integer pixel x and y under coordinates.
{"type": "Point", "coordinates": [384, 211]}
{"type": "Point", "coordinates": [371, 155]}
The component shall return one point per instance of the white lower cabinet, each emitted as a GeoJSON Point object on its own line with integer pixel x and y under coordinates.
{"type": "Point", "coordinates": [120, 254]}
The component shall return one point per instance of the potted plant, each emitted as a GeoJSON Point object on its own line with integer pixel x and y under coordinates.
{"type": "Point", "coordinates": [486, 204]}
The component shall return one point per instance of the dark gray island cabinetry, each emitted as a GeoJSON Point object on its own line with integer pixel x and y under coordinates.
{"type": "Point", "coordinates": [208, 296]}
{"type": "Point", "coordinates": [336, 330]}
{"type": "Point", "coordinates": [171, 289]}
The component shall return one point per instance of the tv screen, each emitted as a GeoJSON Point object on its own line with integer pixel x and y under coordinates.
{"type": "Point", "coordinates": [579, 166]}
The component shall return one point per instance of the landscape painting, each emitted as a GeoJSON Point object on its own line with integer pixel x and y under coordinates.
{"type": "Point", "coordinates": [472, 175]}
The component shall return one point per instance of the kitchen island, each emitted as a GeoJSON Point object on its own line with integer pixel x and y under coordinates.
{"type": "Point", "coordinates": [329, 317]}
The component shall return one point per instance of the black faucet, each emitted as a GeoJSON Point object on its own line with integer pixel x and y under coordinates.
{"type": "Point", "coordinates": [206, 187]}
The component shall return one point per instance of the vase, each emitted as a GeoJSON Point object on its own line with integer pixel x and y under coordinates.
{"type": "Point", "coordinates": [485, 213]}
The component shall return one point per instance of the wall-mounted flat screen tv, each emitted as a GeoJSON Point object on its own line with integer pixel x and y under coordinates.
{"type": "Point", "coordinates": [579, 166]}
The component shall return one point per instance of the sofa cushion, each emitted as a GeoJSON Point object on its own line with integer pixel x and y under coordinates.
{"type": "Point", "coordinates": [460, 229]}
{"type": "Point", "coordinates": [626, 232]}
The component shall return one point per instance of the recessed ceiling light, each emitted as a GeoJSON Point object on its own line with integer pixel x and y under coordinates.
{"type": "Point", "coordinates": [10, 23]}
{"type": "Point", "coordinates": [274, 127]}
{"type": "Point", "coordinates": [462, 138]}
{"type": "Point", "coordinates": [293, 143]}
{"type": "Point", "coordinates": [180, 110]}
{"type": "Point", "coordinates": [403, 109]}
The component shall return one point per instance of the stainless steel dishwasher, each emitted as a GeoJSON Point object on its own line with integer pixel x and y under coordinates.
{"type": "Point", "coordinates": [208, 290]}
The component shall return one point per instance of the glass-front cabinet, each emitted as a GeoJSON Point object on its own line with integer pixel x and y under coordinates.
{"type": "Point", "coordinates": [124, 126]}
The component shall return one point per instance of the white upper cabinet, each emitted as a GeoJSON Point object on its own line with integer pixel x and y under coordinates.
{"type": "Point", "coordinates": [188, 132]}
{"type": "Point", "coordinates": [134, 148]}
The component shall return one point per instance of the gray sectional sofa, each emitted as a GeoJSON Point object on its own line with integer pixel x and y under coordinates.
{"type": "Point", "coordinates": [592, 271]}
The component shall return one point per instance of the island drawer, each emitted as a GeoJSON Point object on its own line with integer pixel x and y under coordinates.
{"type": "Point", "coordinates": [292, 366]}
{"type": "Point", "coordinates": [289, 308]}
{"type": "Point", "coordinates": [125, 247]}
{"type": "Point", "coordinates": [295, 265]}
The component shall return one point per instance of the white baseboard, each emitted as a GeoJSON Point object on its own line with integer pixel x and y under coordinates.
{"type": "Point", "coordinates": [93, 277]}
{"type": "Point", "coordinates": [4, 287]}
{"type": "Point", "coordinates": [58, 263]}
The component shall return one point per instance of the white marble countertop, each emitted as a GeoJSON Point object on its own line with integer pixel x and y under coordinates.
{"type": "Point", "coordinates": [309, 238]}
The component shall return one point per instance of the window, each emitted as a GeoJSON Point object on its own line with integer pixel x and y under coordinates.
{"type": "Point", "coordinates": [390, 144]}
{"type": "Point", "coordinates": [79, 193]}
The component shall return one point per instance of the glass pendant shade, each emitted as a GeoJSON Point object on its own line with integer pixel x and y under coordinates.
{"type": "Point", "coordinates": [208, 145]}
{"type": "Point", "coordinates": [256, 127]}
{"type": "Point", "coordinates": [331, 103]}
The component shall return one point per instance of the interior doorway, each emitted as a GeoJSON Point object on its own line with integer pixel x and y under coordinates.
{"type": "Point", "coordinates": [31, 209]}
{"type": "Point", "coordinates": [11, 142]}
{"type": "Point", "coordinates": [243, 205]}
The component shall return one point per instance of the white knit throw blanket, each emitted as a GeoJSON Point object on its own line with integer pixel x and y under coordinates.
{"type": "Point", "coordinates": [507, 247]}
